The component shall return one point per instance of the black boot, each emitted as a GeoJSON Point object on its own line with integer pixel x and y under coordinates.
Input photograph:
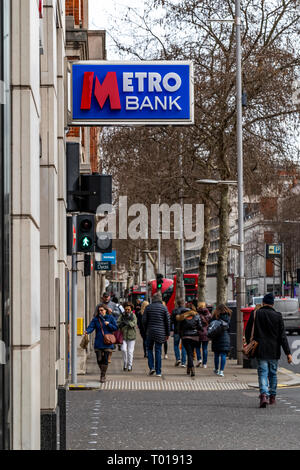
{"type": "Point", "coordinates": [103, 369]}
{"type": "Point", "coordinates": [263, 401]}
{"type": "Point", "coordinates": [193, 372]}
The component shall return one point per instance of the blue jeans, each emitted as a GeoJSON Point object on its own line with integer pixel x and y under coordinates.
{"type": "Point", "coordinates": [157, 348]}
{"type": "Point", "coordinates": [218, 356]}
{"type": "Point", "coordinates": [204, 352]}
{"type": "Point", "coordinates": [267, 376]}
{"type": "Point", "coordinates": [177, 350]}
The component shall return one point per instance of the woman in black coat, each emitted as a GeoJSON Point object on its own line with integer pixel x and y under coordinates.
{"type": "Point", "coordinates": [221, 343]}
{"type": "Point", "coordinates": [189, 326]}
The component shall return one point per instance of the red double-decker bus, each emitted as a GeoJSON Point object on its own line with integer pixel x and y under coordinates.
{"type": "Point", "coordinates": [191, 289]}
{"type": "Point", "coordinates": [167, 283]}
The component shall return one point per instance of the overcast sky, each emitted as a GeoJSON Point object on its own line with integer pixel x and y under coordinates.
{"type": "Point", "coordinates": [100, 17]}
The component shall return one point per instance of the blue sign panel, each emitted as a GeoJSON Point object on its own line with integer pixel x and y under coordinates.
{"type": "Point", "coordinates": [110, 257]}
{"type": "Point", "coordinates": [115, 93]}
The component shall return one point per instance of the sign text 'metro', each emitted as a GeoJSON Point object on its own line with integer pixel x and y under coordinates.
{"type": "Point", "coordinates": [115, 93]}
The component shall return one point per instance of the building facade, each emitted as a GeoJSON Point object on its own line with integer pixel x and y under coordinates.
{"type": "Point", "coordinates": [5, 228]}
{"type": "Point", "coordinates": [38, 38]}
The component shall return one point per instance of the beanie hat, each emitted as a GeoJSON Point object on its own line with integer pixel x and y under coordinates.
{"type": "Point", "coordinates": [268, 299]}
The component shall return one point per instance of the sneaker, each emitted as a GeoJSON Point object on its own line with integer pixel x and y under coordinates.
{"type": "Point", "coordinates": [204, 366]}
{"type": "Point", "coordinates": [177, 363]}
{"type": "Point", "coordinates": [129, 369]}
{"type": "Point", "coordinates": [199, 363]}
{"type": "Point", "coordinates": [221, 373]}
{"type": "Point", "coordinates": [183, 365]}
{"type": "Point", "coordinates": [216, 371]}
{"type": "Point", "coordinates": [166, 356]}
{"type": "Point", "coordinates": [152, 371]}
{"type": "Point", "coordinates": [124, 368]}
{"type": "Point", "coordinates": [158, 375]}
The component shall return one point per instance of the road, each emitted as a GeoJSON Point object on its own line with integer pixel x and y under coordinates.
{"type": "Point", "coordinates": [219, 420]}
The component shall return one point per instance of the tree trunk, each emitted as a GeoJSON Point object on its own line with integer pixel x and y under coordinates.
{"type": "Point", "coordinates": [204, 254]}
{"type": "Point", "coordinates": [222, 274]}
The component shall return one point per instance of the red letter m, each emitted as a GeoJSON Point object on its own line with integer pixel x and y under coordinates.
{"type": "Point", "coordinates": [109, 88]}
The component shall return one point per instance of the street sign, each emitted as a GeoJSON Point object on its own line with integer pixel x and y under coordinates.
{"type": "Point", "coordinates": [102, 266]}
{"type": "Point", "coordinates": [112, 257]}
{"type": "Point", "coordinates": [273, 250]}
{"type": "Point", "coordinates": [119, 93]}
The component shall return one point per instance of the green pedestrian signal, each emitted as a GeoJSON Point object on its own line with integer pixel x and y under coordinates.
{"type": "Point", "coordinates": [86, 243]}
{"type": "Point", "coordinates": [85, 233]}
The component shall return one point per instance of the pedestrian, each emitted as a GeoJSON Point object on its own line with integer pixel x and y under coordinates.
{"type": "Point", "coordinates": [114, 309]}
{"type": "Point", "coordinates": [166, 342]}
{"type": "Point", "coordinates": [156, 322]}
{"type": "Point", "coordinates": [176, 336]}
{"type": "Point", "coordinates": [119, 308]}
{"type": "Point", "coordinates": [104, 323]}
{"type": "Point", "coordinates": [205, 317]}
{"type": "Point", "coordinates": [127, 323]}
{"type": "Point", "coordinates": [269, 332]}
{"type": "Point", "coordinates": [221, 343]}
{"type": "Point", "coordinates": [189, 328]}
{"type": "Point", "coordinates": [141, 327]}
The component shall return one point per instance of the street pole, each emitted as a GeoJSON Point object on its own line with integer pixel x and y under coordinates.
{"type": "Point", "coordinates": [282, 271]}
{"type": "Point", "coordinates": [159, 240]}
{"type": "Point", "coordinates": [74, 312]}
{"type": "Point", "coordinates": [239, 140]}
{"type": "Point", "coordinates": [146, 273]}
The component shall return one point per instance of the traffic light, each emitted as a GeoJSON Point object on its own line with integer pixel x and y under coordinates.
{"type": "Point", "coordinates": [103, 242]}
{"type": "Point", "coordinates": [85, 233]}
{"type": "Point", "coordinates": [87, 265]}
{"type": "Point", "coordinates": [159, 281]}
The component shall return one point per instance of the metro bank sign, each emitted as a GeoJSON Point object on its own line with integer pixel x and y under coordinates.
{"type": "Point", "coordinates": [130, 93]}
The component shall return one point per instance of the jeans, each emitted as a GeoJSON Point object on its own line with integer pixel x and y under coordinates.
{"type": "Point", "coordinates": [177, 350]}
{"type": "Point", "coordinates": [267, 376]}
{"type": "Point", "coordinates": [127, 349]}
{"type": "Point", "coordinates": [204, 351]}
{"type": "Point", "coordinates": [218, 356]}
{"type": "Point", "coordinates": [157, 349]}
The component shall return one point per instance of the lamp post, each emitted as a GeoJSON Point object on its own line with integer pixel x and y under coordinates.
{"type": "Point", "coordinates": [180, 281]}
{"type": "Point", "coordinates": [239, 141]}
{"type": "Point", "coordinates": [146, 268]}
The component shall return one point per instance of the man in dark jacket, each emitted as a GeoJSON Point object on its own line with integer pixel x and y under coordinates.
{"type": "Point", "coordinates": [269, 332]}
{"type": "Point", "coordinates": [174, 327]}
{"type": "Point", "coordinates": [156, 322]}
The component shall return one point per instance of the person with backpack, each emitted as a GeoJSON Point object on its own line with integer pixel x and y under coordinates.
{"type": "Point", "coordinates": [189, 327]}
{"type": "Point", "coordinates": [221, 339]}
{"type": "Point", "coordinates": [205, 317]}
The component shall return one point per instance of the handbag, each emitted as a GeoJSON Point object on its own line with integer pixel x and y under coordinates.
{"type": "Point", "coordinates": [250, 348]}
{"type": "Point", "coordinates": [84, 342]}
{"type": "Point", "coordinates": [216, 328]}
{"type": "Point", "coordinates": [107, 338]}
{"type": "Point", "coordinates": [119, 336]}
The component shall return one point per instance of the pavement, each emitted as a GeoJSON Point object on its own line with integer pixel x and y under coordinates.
{"type": "Point", "coordinates": [173, 378]}
{"type": "Point", "coordinates": [133, 412]}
